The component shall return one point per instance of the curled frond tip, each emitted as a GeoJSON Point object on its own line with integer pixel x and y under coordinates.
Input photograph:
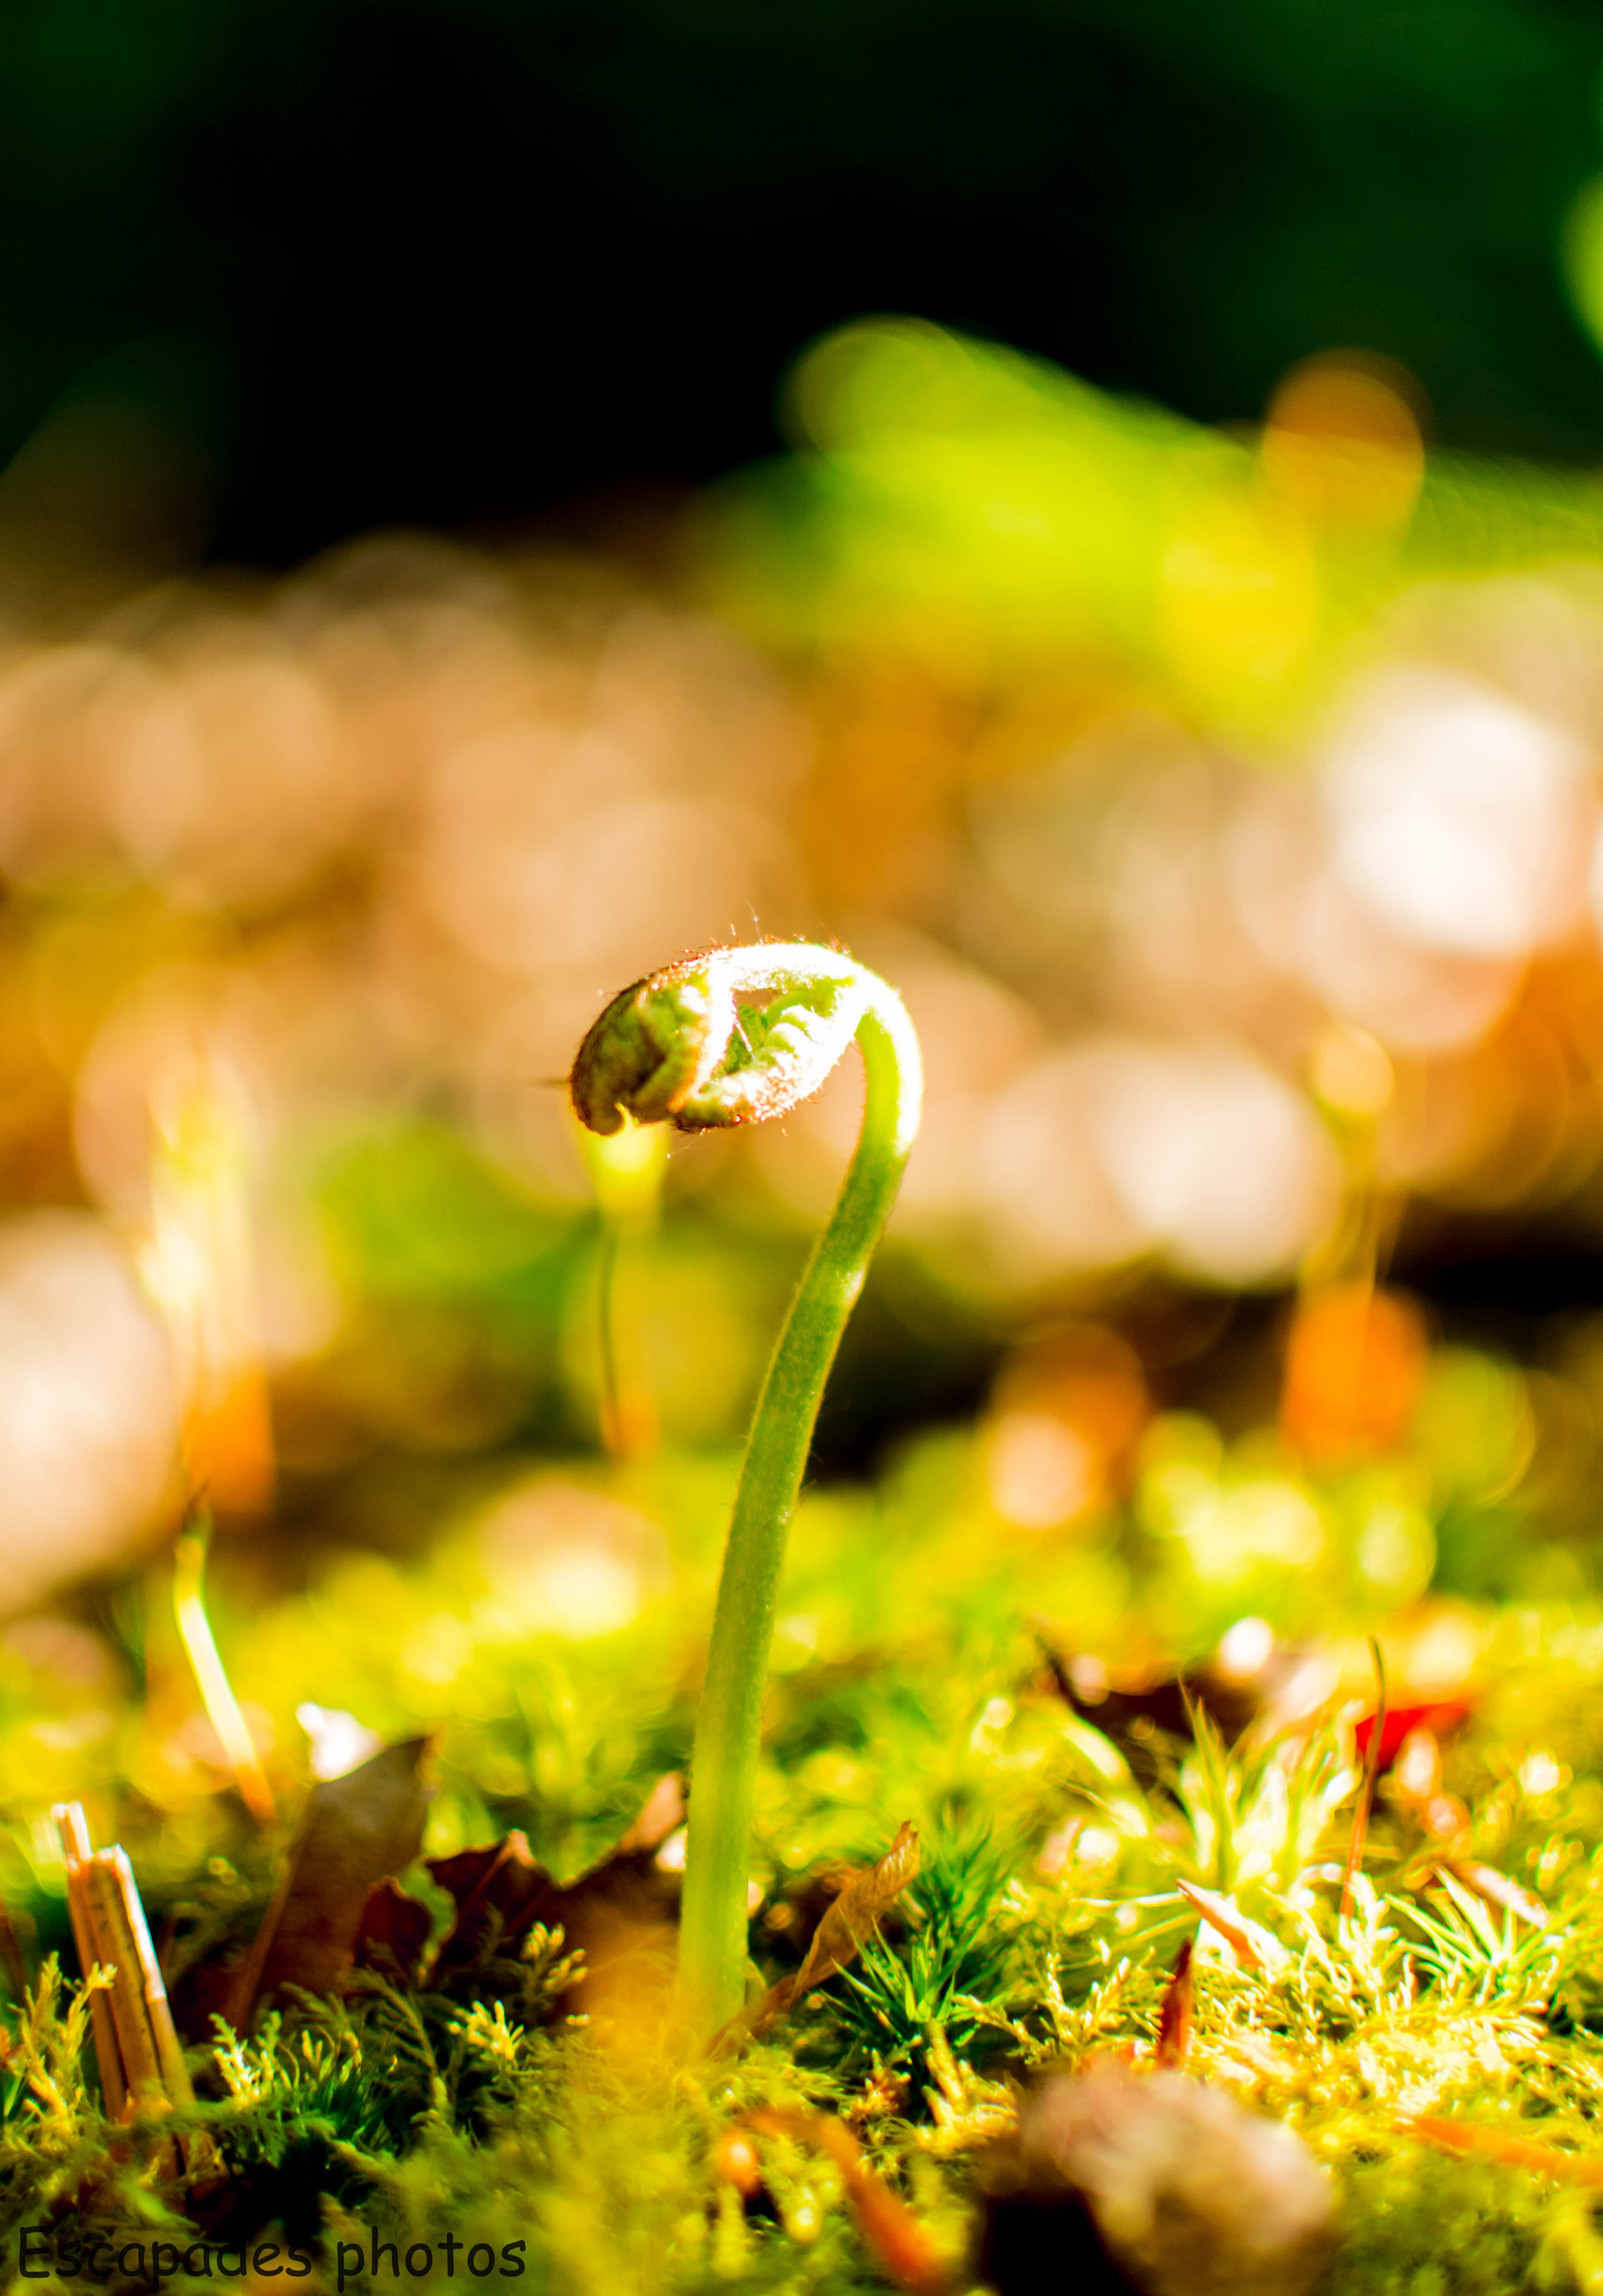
{"type": "Point", "coordinates": [729, 1037]}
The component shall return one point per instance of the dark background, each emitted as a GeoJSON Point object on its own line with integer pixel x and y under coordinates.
{"type": "Point", "coordinates": [273, 272]}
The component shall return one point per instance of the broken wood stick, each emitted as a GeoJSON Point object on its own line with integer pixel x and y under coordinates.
{"type": "Point", "coordinates": [73, 1829]}
{"type": "Point", "coordinates": [137, 2044]}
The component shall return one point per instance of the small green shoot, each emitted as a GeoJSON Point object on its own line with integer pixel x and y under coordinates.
{"type": "Point", "coordinates": [679, 1047]}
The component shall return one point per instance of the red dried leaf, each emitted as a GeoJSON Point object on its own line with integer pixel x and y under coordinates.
{"type": "Point", "coordinates": [1400, 1720]}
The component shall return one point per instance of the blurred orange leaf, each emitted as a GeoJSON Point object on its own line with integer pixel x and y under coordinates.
{"type": "Point", "coordinates": [1354, 1365]}
{"type": "Point", "coordinates": [903, 2247]}
{"type": "Point", "coordinates": [1470, 2138]}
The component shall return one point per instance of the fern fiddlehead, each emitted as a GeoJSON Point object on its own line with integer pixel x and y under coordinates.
{"type": "Point", "coordinates": [734, 1037]}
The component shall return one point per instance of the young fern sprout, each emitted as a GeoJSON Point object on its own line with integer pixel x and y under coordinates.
{"type": "Point", "coordinates": [682, 1047]}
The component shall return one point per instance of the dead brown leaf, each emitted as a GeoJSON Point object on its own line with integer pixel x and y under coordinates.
{"type": "Point", "coordinates": [623, 1906]}
{"type": "Point", "coordinates": [497, 1889]}
{"type": "Point", "coordinates": [392, 1932]}
{"type": "Point", "coordinates": [355, 1830]}
{"type": "Point", "coordinates": [1253, 1946]}
{"type": "Point", "coordinates": [839, 1937]}
{"type": "Point", "coordinates": [663, 1813]}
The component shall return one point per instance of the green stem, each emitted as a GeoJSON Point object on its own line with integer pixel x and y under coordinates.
{"type": "Point", "coordinates": [723, 1775]}
{"type": "Point", "coordinates": [677, 1048]}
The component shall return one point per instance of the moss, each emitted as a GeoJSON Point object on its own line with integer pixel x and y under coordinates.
{"type": "Point", "coordinates": [404, 2117]}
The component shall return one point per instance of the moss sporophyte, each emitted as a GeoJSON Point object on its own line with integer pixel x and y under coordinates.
{"type": "Point", "coordinates": [732, 1037]}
